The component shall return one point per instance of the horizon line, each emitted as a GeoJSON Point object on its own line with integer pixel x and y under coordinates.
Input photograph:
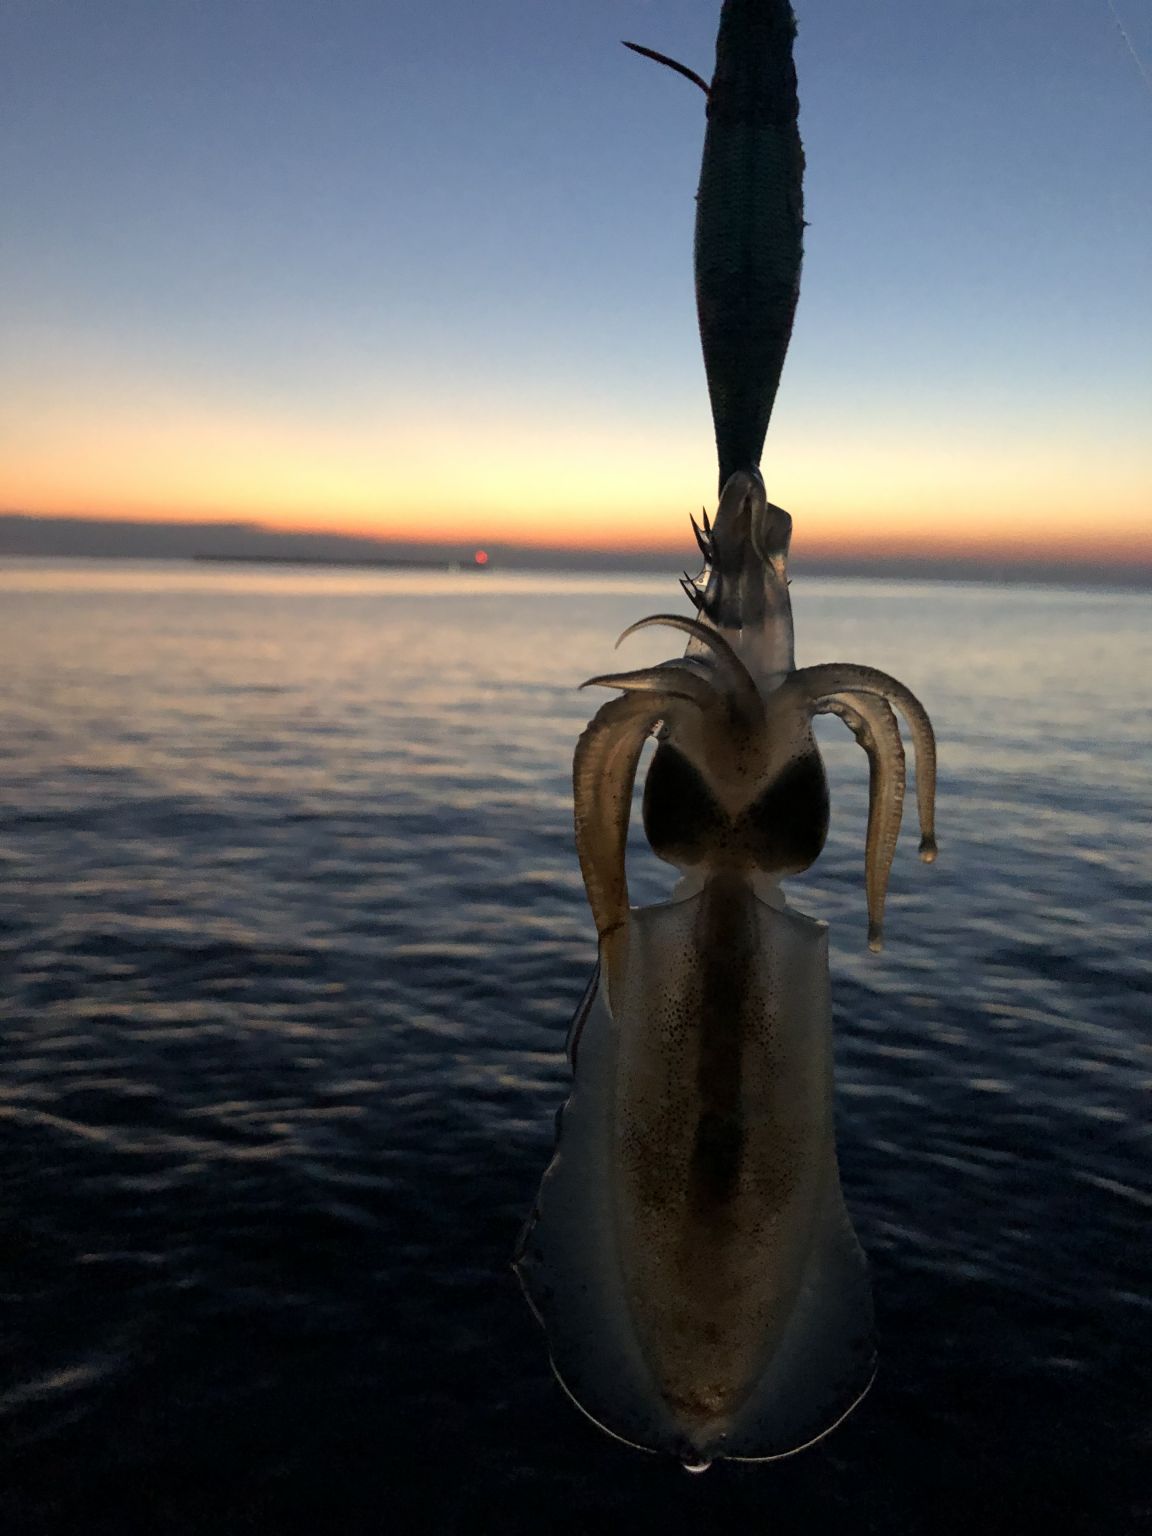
{"type": "Point", "coordinates": [1122, 553]}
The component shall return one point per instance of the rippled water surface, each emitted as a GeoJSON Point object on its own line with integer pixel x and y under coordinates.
{"type": "Point", "coordinates": [290, 932]}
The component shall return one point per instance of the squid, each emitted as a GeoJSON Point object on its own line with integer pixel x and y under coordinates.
{"type": "Point", "coordinates": [689, 1254]}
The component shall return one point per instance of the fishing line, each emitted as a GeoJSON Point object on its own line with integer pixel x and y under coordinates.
{"type": "Point", "coordinates": [1136, 59]}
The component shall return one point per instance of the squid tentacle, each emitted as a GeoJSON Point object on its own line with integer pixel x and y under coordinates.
{"type": "Point", "coordinates": [743, 693]}
{"type": "Point", "coordinates": [835, 677]}
{"type": "Point", "coordinates": [872, 722]}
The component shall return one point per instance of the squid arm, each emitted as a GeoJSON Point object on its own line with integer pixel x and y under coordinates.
{"type": "Point", "coordinates": [872, 722]}
{"type": "Point", "coordinates": [603, 775]}
{"type": "Point", "coordinates": [835, 677]}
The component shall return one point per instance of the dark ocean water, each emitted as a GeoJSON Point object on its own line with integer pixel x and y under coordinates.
{"type": "Point", "coordinates": [290, 933]}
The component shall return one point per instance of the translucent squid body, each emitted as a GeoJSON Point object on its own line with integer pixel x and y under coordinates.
{"type": "Point", "coordinates": [690, 1255]}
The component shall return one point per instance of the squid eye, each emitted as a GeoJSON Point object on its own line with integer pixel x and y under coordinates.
{"type": "Point", "coordinates": [682, 820]}
{"type": "Point", "coordinates": [786, 827]}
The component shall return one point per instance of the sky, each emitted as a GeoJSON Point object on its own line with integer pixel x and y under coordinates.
{"type": "Point", "coordinates": [424, 271]}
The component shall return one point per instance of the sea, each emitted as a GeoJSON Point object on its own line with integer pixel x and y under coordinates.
{"type": "Point", "coordinates": [291, 931]}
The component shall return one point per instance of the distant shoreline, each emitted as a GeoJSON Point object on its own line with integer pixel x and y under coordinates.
{"type": "Point", "coordinates": [24, 536]}
{"type": "Point", "coordinates": [27, 538]}
{"type": "Point", "coordinates": [385, 562]}
{"type": "Point", "coordinates": [521, 562]}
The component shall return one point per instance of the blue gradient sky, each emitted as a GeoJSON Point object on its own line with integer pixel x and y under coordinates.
{"type": "Point", "coordinates": [388, 267]}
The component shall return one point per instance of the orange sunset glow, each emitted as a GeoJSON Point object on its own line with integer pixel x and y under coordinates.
{"type": "Point", "coordinates": [593, 486]}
